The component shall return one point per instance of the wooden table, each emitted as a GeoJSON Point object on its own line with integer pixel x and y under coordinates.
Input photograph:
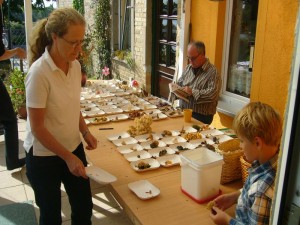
{"type": "Point", "coordinates": [171, 206]}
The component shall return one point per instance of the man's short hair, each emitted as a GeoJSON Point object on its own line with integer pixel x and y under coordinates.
{"type": "Point", "coordinates": [199, 45]}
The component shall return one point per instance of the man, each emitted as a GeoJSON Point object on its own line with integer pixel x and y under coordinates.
{"type": "Point", "coordinates": [7, 115]}
{"type": "Point", "coordinates": [202, 82]}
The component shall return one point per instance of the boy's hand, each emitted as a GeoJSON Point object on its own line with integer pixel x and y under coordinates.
{"type": "Point", "coordinates": [225, 201]}
{"type": "Point", "coordinates": [219, 217]}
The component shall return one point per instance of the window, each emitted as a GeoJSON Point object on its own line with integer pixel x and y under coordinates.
{"type": "Point", "coordinates": [165, 45]}
{"type": "Point", "coordinates": [123, 24]}
{"type": "Point", "coordinates": [168, 31]}
{"type": "Point", "coordinates": [239, 48]}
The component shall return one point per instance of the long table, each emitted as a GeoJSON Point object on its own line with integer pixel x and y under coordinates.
{"type": "Point", "coordinates": [171, 206]}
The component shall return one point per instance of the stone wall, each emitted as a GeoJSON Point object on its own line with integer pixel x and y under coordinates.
{"type": "Point", "coordinates": [65, 3]}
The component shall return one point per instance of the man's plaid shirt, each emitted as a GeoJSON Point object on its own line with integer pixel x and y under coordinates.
{"type": "Point", "coordinates": [254, 203]}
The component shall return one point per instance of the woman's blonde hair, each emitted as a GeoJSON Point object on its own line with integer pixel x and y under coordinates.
{"type": "Point", "coordinates": [58, 23]}
{"type": "Point", "coordinates": [259, 120]}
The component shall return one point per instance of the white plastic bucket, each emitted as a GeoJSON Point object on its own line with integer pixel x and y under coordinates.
{"type": "Point", "coordinates": [201, 174]}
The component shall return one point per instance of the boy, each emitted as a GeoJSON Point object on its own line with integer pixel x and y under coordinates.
{"type": "Point", "coordinates": [259, 128]}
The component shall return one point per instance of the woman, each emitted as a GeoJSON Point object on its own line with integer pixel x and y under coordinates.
{"type": "Point", "coordinates": [55, 153]}
{"type": "Point", "coordinates": [7, 114]}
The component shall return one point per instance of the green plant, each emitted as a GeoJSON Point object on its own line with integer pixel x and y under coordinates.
{"type": "Point", "coordinates": [126, 56]}
{"type": "Point", "coordinates": [85, 57]}
{"type": "Point", "coordinates": [130, 60]}
{"type": "Point", "coordinates": [16, 88]}
{"type": "Point", "coordinates": [102, 34]}
{"type": "Point", "coordinates": [79, 6]}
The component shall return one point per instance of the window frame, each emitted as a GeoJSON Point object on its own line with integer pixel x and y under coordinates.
{"type": "Point", "coordinates": [117, 22]}
{"type": "Point", "coordinates": [229, 103]}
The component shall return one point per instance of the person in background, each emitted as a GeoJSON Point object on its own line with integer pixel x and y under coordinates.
{"type": "Point", "coordinates": [201, 80]}
{"type": "Point", "coordinates": [8, 116]}
{"type": "Point", "coordinates": [259, 128]}
{"type": "Point", "coordinates": [54, 151]}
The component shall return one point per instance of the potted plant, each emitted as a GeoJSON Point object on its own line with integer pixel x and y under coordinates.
{"type": "Point", "coordinates": [16, 87]}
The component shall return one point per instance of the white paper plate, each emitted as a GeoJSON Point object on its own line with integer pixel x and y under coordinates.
{"type": "Point", "coordinates": [99, 120]}
{"type": "Point", "coordinates": [169, 160]}
{"type": "Point", "coordinates": [112, 110]}
{"type": "Point", "coordinates": [147, 137]}
{"type": "Point", "coordinates": [85, 101]}
{"type": "Point", "coordinates": [173, 140]}
{"type": "Point", "coordinates": [121, 93]}
{"type": "Point", "coordinates": [89, 96]}
{"type": "Point", "coordinates": [118, 136]}
{"type": "Point", "coordinates": [94, 113]}
{"type": "Point", "coordinates": [93, 108]}
{"type": "Point", "coordinates": [118, 117]}
{"type": "Point", "coordinates": [154, 164]}
{"type": "Point", "coordinates": [186, 129]}
{"type": "Point", "coordinates": [201, 141]}
{"type": "Point", "coordinates": [144, 189]}
{"type": "Point", "coordinates": [99, 175]}
{"type": "Point", "coordinates": [102, 102]}
{"type": "Point", "coordinates": [158, 116]}
{"type": "Point", "coordinates": [184, 145]}
{"type": "Point", "coordinates": [105, 95]}
{"type": "Point", "coordinates": [87, 122]}
{"type": "Point", "coordinates": [87, 105]}
{"type": "Point", "coordinates": [146, 145]}
{"type": "Point", "coordinates": [156, 151]}
{"type": "Point", "coordinates": [148, 106]}
{"type": "Point", "coordinates": [124, 141]}
{"type": "Point", "coordinates": [174, 113]}
{"type": "Point", "coordinates": [107, 107]}
{"type": "Point", "coordinates": [129, 148]}
{"type": "Point", "coordinates": [220, 138]}
{"type": "Point", "coordinates": [211, 132]}
{"type": "Point", "coordinates": [173, 133]}
{"type": "Point", "coordinates": [137, 155]}
{"type": "Point", "coordinates": [151, 98]}
{"type": "Point", "coordinates": [152, 111]}
{"type": "Point", "coordinates": [129, 108]}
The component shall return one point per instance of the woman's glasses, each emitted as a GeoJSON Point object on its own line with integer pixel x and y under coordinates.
{"type": "Point", "coordinates": [74, 44]}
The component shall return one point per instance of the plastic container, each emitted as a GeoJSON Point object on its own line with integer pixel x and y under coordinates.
{"type": "Point", "coordinates": [201, 174]}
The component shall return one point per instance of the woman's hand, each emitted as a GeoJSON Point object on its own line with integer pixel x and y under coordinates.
{"type": "Point", "coordinates": [91, 141]}
{"type": "Point", "coordinates": [76, 166]}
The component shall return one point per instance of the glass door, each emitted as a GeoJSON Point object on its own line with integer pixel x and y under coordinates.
{"type": "Point", "coordinates": [164, 49]}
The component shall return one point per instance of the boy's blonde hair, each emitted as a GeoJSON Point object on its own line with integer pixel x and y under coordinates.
{"type": "Point", "coordinates": [259, 120]}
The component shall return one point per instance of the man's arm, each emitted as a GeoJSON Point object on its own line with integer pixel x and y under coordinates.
{"type": "Point", "coordinates": [211, 92]}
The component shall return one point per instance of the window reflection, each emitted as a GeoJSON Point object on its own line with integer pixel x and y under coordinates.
{"type": "Point", "coordinates": [173, 56]}
{"type": "Point", "coordinates": [174, 7]}
{"type": "Point", "coordinates": [243, 30]}
{"type": "Point", "coordinates": [162, 54]}
{"type": "Point", "coordinates": [164, 29]}
{"type": "Point", "coordinates": [164, 7]}
{"type": "Point", "coordinates": [174, 30]}
{"type": "Point", "coordinates": [126, 33]}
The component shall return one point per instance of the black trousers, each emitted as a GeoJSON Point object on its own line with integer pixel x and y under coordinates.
{"type": "Point", "coordinates": [45, 174]}
{"type": "Point", "coordinates": [207, 119]}
{"type": "Point", "coordinates": [10, 123]}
